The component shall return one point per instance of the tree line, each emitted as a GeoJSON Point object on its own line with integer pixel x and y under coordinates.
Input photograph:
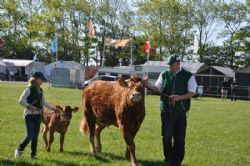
{"type": "Point", "coordinates": [27, 27]}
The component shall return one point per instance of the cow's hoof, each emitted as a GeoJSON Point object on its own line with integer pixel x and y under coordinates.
{"type": "Point", "coordinates": [61, 150]}
{"type": "Point", "coordinates": [93, 153]}
{"type": "Point", "coordinates": [48, 150]}
{"type": "Point", "coordinates": [134, 164]}
{"type": "Point", "coordinates": [98, 149]}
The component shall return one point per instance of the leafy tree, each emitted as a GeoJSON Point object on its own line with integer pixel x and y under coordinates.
{"type": "Point", "coordinates": [114, 18]}
{"type": "Point", "coordinates": [13, 21]}
{"type": "Point", "coordinates": [203, 16]}
{"type": "Point", "coordinates": [233, 15]}
{"type": "Point", "coordinates": [168, 24]}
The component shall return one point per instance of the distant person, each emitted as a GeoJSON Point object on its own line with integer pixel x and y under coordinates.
{"type": "Point", "coordinates": [7, 75]}
{"type": "Point", "coordinates": [234, 86]}
{"type": "Point", "coordinates": [224, 89]}
{"type": "Point", "coordinates": [12, 73]}
{"type": "Point", "coordinates": [32, 99]}
{"type": "Point", "coordinates": [17, 73]}
{"type": "Point", "coordinates": [200, 91]}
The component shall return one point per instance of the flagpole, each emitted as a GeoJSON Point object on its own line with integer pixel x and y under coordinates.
{"type": "Point", "coordinates": [131, 52]}
{"type": "Point", "coordinates": [148, 53]}
{"type": "Point", "coordinates": [147, 64]}
{"type": "Point", "coordinates": [57, 49]}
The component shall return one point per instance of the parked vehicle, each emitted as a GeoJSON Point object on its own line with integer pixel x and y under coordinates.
{"type": "Point", "coordinates": [3, 77]}
{"type": "Point", "coordinates": [102, 77]}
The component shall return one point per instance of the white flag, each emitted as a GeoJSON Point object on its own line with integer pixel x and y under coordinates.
{"type": "Point", "coordinates": [196, 45]}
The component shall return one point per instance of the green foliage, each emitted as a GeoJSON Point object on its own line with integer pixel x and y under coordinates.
{"type": "Point", "coordinates": [233, 15]}
{"type": "Point", "coordinates": [28, 27]}
{"type": "Point", "coordinates": [217, 133]}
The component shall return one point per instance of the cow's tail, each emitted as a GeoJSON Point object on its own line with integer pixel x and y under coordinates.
{"type": "Point", "coordinates": [84, 127]}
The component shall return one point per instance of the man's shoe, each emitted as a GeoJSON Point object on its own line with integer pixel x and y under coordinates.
{"type": "Point", "coordinates": [33, 158]}
{"type": "Point", "coordinates": [168, 163]}
{"type": "Point", "coordinates": [18, 153]}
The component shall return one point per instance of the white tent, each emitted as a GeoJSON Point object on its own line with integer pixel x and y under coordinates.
{"type": "Point", "coordinates": [2, 68]}
{"type": "Point", "coordinates": [65, 73]}
{"type": "Point", "coordinates": [23, 68]}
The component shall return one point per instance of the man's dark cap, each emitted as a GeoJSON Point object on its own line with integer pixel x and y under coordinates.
{"type": "Point", "coordinates": [173, 59]}
{"type": "Point", "coordinates": [40, 75]}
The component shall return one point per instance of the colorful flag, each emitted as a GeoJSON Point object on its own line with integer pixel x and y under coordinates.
{"type": "Point", "coordinates": [147, 46]}
{"type": "Point", "coordinates": [1, 42]}
{"type": "Point", "coordinates": [91, 29]}
{"type": "Point", "coordinates": [54, 45]}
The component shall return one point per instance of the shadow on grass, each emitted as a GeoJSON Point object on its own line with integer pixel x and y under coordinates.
{"type": "Point", "coordinates": [151, 162]}
{"type": "Point", "coordinates": [103, 156]}
{"type": "Point", "coordinates": [62, 163]}
{"type": "Point", "coordinates": [77, 153]}
{"type": "Point", "coordinates": [16, 162]}
{"type": "Point", "coordinates": [154, 163]}
{"type": "Point", "coordinates": [106, 157]}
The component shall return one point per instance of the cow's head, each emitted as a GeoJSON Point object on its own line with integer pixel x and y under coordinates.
{"type": "Point", "coordinates": [136, 88]}
{"type": "Point", "coordinates": [66, 112]}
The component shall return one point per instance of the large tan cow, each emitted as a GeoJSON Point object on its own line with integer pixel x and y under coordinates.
{"type": "Point", "coordinates": [107, 103]}
{"type": "Point", "coordinates": [56, 121]}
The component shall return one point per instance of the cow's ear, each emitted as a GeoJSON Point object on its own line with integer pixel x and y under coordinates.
{"type": "Point", "coordinates": [122, 82]}
{"type": "Point", "coordinates": [75, 109]}
{"type": "Point", "coordinates": [139, 84]}
{"type": "Point", "coordinates": [132, 77]}
{"type": "Point", "coordinates": [59, 108]}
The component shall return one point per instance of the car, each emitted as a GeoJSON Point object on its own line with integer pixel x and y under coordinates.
{"type": "Point", "coordinates": [3, 76]}
{"type": "Point", "coordinates": [101, 77]}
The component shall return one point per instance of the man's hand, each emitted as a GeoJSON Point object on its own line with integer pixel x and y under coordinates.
{"type": "Point", "coordinates": [173, 99]}
{"type": "Point", "coordinates": [145, 81]}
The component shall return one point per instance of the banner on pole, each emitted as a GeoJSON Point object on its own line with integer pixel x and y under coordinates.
{"type": "Point", "coordinates": [54, 45]}
{"type": "Point", "coordinates": [91, 29]}
{"type": "Point", "coordinates": [1, 42]}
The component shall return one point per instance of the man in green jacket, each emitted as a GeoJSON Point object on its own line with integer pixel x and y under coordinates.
{"type": "Point", "coordinates": [176, 87]}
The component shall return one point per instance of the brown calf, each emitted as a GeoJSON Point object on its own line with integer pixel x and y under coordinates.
{"type": "Point", "coordinates": [107, 103]}
{"type": "Point", "coordinates": [56, 121]}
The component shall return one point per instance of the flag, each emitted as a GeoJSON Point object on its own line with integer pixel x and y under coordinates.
{"type": "Point", "coordinates": [54, 45]}
{"type": "Point", "coordinates": [1, 42]}
{"type": "Point", "coordinates": [147, 46]}
{"type": "Point", "coordinates": [196, 45]}
{"type": "Point", "coordinates": [91, 29]}
{"type": "Point", "coordinates": [35, 58]}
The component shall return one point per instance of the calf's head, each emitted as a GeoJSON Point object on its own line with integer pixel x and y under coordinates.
{"type": "Point", "coordinates": [136, 89]}
{"type": "Point", "coordinates": [66, 112]}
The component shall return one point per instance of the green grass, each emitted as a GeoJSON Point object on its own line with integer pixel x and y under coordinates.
{"type": "Point", "coordinates": [218, 133]}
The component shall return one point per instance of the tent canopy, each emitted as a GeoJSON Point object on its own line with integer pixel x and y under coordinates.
{"type": "Point", "coordinates": [2, 68]}
{"type": "Point", "coordinates": [2, 64]}
{"type": "Point", "coordinates": [16, 62]}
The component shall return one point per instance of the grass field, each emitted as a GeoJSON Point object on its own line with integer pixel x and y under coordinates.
{"type": "Point", "coordinates": [218, 133]}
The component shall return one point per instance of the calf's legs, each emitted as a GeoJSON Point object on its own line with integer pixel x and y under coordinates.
{"type": "Point", "coordinates": [62, 135]}
{"type": "Point", "coordinates": [44, 132]}
{"type": "Point", "coordinates": [129, 140]}
{"type": "Point", "coordinates": [51, 139]}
